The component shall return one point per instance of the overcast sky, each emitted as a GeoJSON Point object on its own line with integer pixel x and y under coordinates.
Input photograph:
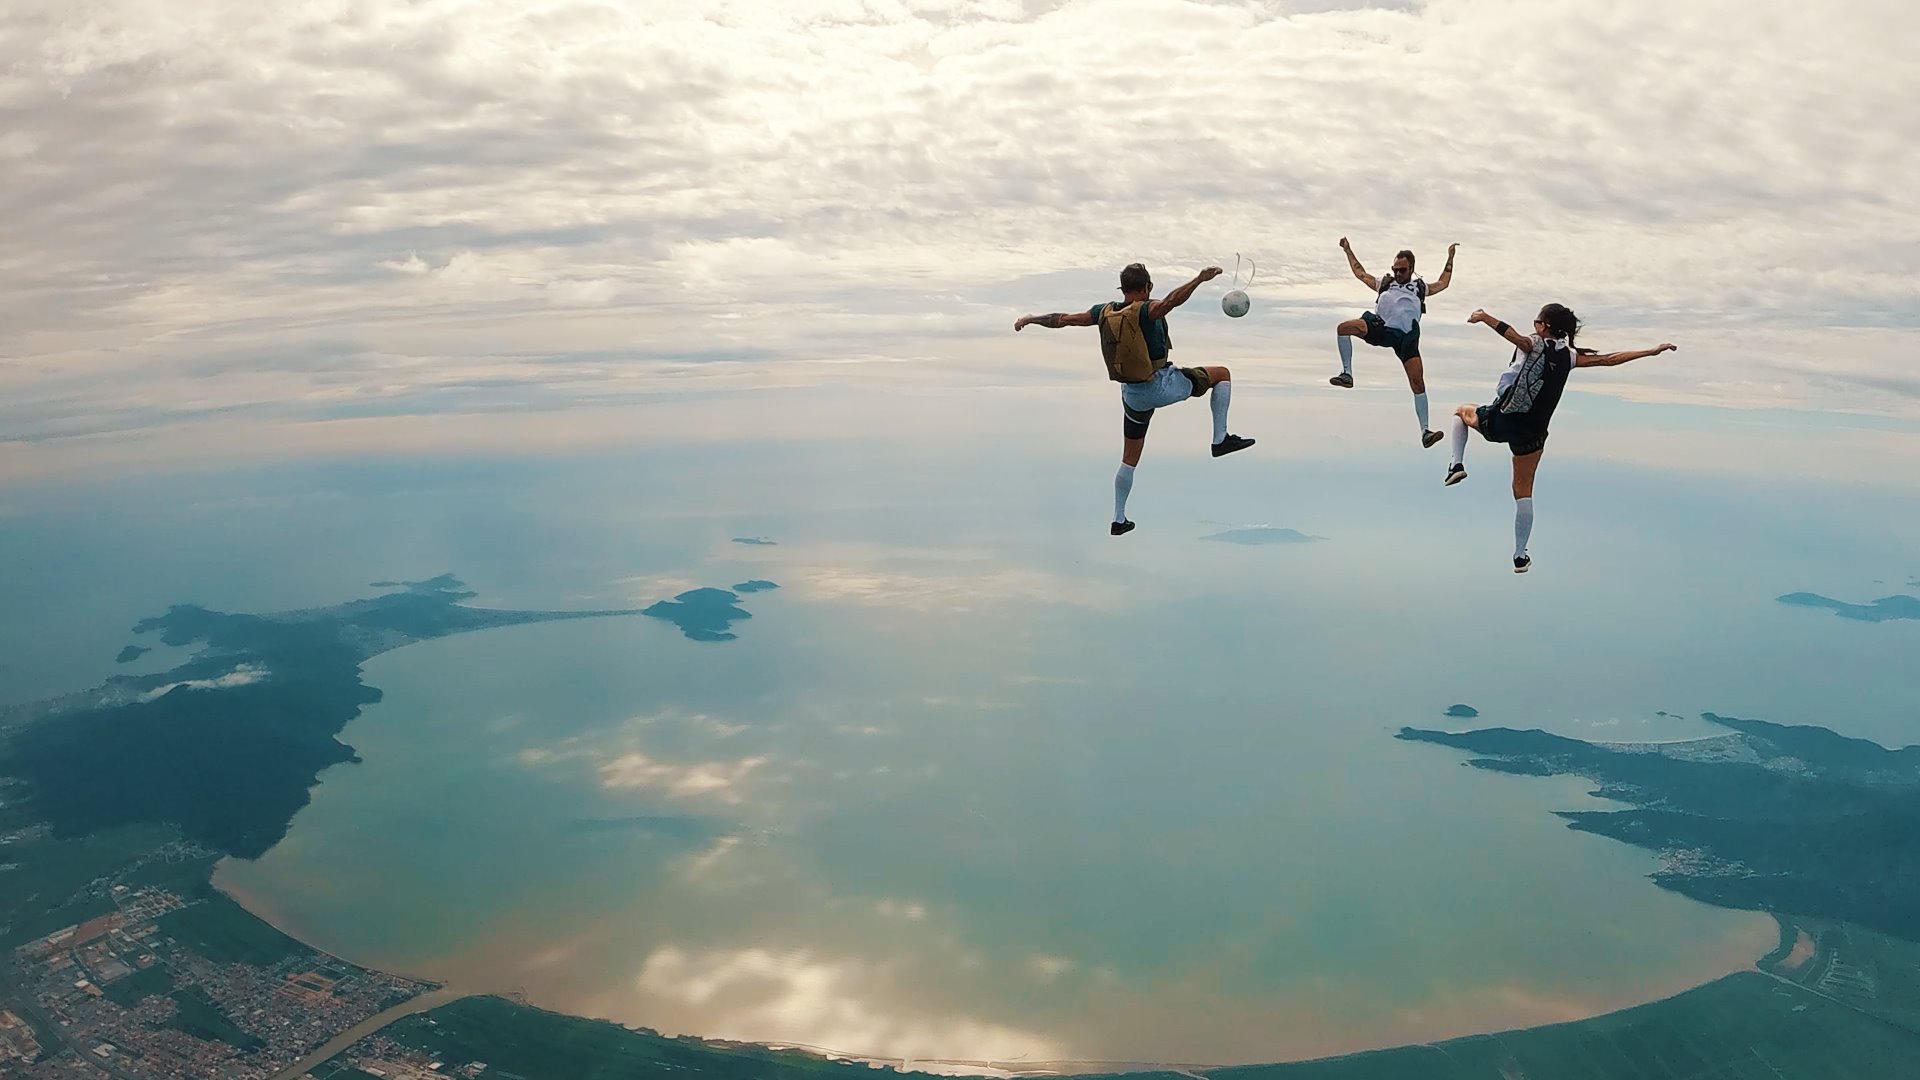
{"type": "Point", "coordinates": [303, 210]}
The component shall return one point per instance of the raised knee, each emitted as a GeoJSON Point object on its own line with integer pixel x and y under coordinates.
{"type": "Point", "coordinates": [1222, 375]}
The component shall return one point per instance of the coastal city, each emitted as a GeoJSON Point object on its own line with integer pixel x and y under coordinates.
{"type": "Point", "coordinates": [162, 988]}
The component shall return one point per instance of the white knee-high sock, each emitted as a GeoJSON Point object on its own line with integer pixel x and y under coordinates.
{"type": "Point", "coordinates": [1522, 524]}
{"type": "Point", "coordinates": [1459, 432]}
{"type": "Point", "coordinates": [1122, 487]}
{"type": "Point", "coordinates": [1222, 394]}
{"type": "Point", "coordinates": [1420, 410]}
{"type": "Point", "coordinates": [1346, 353]}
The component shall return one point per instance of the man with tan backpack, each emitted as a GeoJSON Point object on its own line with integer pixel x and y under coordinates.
{"type": "Point", "coordinates": [1134, 343]}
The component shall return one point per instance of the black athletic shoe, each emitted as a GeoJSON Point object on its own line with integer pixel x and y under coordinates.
{"type": "Point", "coordinates": [1431, 437]}
{"type": "Point", "coordinates": [1229, 444]}
{"type": "Point", "coordinates": [1342, 379]}
{"type": "Point", "coordinates": [1522, 563]}
{"type": "Point", "coordinates": [1121, 528]}
{"type": "Point", "coordinates": [1455, 474]}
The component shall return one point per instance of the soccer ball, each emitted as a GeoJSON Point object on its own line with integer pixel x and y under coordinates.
{"type": "Point", "coordinates": [1235, 304]}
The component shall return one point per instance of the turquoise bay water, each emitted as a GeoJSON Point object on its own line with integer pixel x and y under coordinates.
{"type": "Point", "coordinates": [978, 780]}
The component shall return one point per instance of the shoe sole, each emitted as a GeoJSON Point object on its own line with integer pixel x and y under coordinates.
{"type": "Point", "coordinates": [1235, 450]}
{"type": "Point", "coordinates": [1341, 385]}
{"type": "Point", "coordinates": [1455, 477]}
{"type": "Point", "coordinates": [1428, 444]}
{"type": "Point", "coordinates": [1524, 569]}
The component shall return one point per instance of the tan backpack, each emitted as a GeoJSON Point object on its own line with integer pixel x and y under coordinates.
{"type": "Point", "coordinates": [1123, 343]}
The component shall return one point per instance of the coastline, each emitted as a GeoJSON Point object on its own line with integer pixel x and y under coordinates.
{"type": "Point", "coordinates": [445, 993]}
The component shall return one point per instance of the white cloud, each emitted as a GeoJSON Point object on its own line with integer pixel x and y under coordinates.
{"type": "Point", "coordinates": [243, 675]}
{"type": "Point", "coordinates": [453, 205]}
{"type": "Point", "coordinates": [721, 779]}
{"type": "Point", "coordinates": [799, 997]}
{"type": "Point", "coordinates": [702, 864]}
{"type": "Point", "coordinates": [910, 910]}
{"type": "Point", "coordinates": [1049, 968]}
{"type": "Point", "coordinates": [621, 759]}
{"type": "Point", "coordinates": [436, 181]}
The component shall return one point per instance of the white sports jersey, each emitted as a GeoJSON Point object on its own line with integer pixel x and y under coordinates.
{"type": "Point", "coordinates": [1399, 305]}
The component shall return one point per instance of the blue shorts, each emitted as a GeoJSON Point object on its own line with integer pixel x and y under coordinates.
{"type": "Point", "coordinates": [1168, 385]}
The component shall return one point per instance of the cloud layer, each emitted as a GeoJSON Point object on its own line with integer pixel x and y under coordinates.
{"type": "Point", "coordinates": [345, 208]}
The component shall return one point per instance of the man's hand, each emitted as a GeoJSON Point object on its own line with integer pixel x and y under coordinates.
{"type": "Point", "coordinates": [1665, 346]}
{"type": "Point", "coordinates": [1451, 248]}
{"type": "Point", "coordinates": [1479, 316]}
{"type": "Point", "coordinates": [1210, 273]}
{"type": "Point", "coordinates": [1344, 247]}
{"type": "Point", "coordinates": [1021, 322]}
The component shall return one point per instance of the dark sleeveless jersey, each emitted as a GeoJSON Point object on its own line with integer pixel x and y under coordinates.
{"type": "Point", "coordinates": [1532, 386]}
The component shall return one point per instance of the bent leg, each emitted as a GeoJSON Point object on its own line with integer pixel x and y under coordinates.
{"type": "Point", "coordinates": [1457, 427]}
{"type": "Point", "coordinates": [1464, 417]}
{"type": "Point", "coordinates": [1416, 379]}
{"type": "Point", "coordinates": [1218, 399]}
{"type": "Point", "coordinates": [1133, 441]}
{"type": "Point", "coordinates": [1345, 333]}
{"type": "Point", "coordinates": [1524, 467]}
{"type": "Point", "coordinates": [1221, 380]}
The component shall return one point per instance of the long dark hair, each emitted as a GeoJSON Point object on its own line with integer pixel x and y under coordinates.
{"type": "Point", "coordinates": [1561, 321]}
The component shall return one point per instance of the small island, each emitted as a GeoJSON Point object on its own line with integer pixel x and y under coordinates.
{"type": "Point", "coordinates": [705, 614]}
{"type": "Point", "coordinates": [755, 541]}
{"type": "Point", "coordinates": [1260, 536]}
{"type": "Point", "coordinates": [131, 653]}
{"type": "Point", "coordinates": [1885, 609]}
{"type": "Point", "coordinates": [754, 586]}
{"type": "Point", "coordinates": [1462, 711]}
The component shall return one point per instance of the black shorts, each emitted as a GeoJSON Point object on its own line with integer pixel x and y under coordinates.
{"type": "Point", "coordinates": [1404, 343]}
{"type": "Point", "coordinates": [1520, 434]}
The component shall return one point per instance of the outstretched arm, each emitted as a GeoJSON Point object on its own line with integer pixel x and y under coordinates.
{"type": "Point", "coordinates": [1446, 273]}
{"type": "Point", "coordinates": [1055, 321]}
{"type": "Point", "coordinates": [1359, 271]}
{"type": "Point", "coordinates": [1159, 308]}
{"type": "Point", "coordinates": [1520, 340]}
{"type": "Point", "coordinates": [1593, 359]}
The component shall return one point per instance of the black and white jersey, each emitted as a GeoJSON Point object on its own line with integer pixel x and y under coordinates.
{"type": "Point", "coordinates": [1532, 384]}
{"type": "Point", "coordinates": [1398, 305]}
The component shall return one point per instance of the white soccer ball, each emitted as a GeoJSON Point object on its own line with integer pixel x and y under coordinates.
{"type": "Point", "coordinates": [1235, 304]}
